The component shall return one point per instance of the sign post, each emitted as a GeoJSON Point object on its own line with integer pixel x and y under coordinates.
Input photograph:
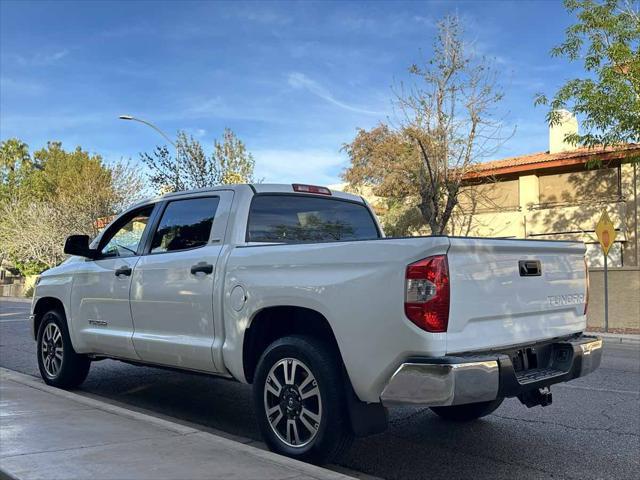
{"type": "Point", "coordinates": [606, 235]}
{"type": "Point", "coordinates": [606, 294]}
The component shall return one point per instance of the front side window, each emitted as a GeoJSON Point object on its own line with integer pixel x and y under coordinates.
{"type": "Point", "coordinates": [301, 219]}
{"type": "Point", "coordinates": [125, 240]}
{"type": "Point", "coordinates": [185, 224]}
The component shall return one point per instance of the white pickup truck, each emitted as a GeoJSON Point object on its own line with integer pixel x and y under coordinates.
{"type": "Point", "coordinates": [294, 288]}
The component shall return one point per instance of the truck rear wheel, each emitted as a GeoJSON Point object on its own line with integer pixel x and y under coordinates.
{"type": "Point", "coordinates": [468, 412]}
{"type": "Point", "coordinates": [59, 364]}
{"type": "Point", "coordinates": [299, 397]}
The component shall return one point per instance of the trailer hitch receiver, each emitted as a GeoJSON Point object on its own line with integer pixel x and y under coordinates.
{"type": "Point", "coordinates": [540, 396]}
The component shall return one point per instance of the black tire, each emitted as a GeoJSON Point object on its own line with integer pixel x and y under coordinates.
{"type": "Point", "coordinates": [333, 435]}
{"type": "Point", "coordinates": [468, 412]}
{"type": "Point", "coordinates": [72, 368]}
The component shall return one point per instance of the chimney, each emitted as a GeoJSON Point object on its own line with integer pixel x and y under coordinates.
{"type": "Point", "coordinates": [567, 125]}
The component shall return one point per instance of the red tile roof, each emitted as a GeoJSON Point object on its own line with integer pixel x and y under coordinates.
{"type": "Point", "coordinates": [539, 160]}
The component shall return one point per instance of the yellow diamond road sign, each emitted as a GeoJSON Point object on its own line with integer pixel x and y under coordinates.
{"type": "Point", "coordinates": [606, 232]}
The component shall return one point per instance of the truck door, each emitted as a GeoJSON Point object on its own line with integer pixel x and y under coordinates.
{"type": "Point", "coordinates": [172, 284]}
{"type": "Point", "coordinates": [101, 316]}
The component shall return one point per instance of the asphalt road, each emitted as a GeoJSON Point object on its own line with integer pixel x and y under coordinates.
{"type": "Point", "coordinates": [592, 430]}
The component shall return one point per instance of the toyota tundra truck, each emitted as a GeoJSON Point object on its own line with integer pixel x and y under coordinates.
{"type": "Point", "coordinates": [295, 290]}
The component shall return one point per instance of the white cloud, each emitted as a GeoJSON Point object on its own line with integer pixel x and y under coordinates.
{"type": "Point", "coordinates": [266, 17]}
{"type": "Point", "coordinates": [301, 81]}
{"type": "Point", "coordinates": [427, 21]}
{"type": "Point", "coordinates": [481, 49]}
{"type": "Point", "coordinates": [20, 87]}
{"type": "Point", "coordinates": [209, 107]}
{"type": "Point", "coordinates": [128, 30]}
{"type": "Point", "coordinates": [41, 59]}
{"type": "Point", "coordinates": [202, 107]}
{"type": "Point", "coordinates": [320, 167]}
{"type": "Point", "coordinates": [54, 57]}
{"type": "Point", "coordinates": [52, 124]}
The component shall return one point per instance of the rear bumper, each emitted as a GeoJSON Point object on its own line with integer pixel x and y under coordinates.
{"type": "Point", "coordinates": [456, 380]}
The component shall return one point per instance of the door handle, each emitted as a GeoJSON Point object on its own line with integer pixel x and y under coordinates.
{"type": "Point", "coordinates": [203, 267]}
{"type": "Point", "coordinates": [124, 270]}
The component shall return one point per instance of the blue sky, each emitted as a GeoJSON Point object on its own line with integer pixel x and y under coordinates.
{"type": "Point", "coordinates": [294, 80]}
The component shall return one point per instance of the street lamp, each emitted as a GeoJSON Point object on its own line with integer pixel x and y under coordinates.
{"type": "Point", "coordinates": [130, 117]}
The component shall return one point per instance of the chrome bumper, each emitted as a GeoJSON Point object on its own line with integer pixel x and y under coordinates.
{"type": "Point", "coordinates": [443, 384]}
{"type": "Point", "coordinates": [591, 356]}
{"type": "Point", "coordinates": [479, 378]}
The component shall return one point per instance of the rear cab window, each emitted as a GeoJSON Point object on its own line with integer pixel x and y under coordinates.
{"type": "Point", "coordinates": [185, 224]}
{"type": "Point", "coordinates": [295, 218]}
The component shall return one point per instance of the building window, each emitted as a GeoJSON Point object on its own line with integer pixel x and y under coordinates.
{"type": "Point", "coordinates": [490, 197]}
{"type": "Point", "coordinates": [581, 186]}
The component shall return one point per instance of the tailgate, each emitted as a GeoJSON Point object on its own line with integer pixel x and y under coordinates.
{"type": "Point", "coordinates": [498, 298]}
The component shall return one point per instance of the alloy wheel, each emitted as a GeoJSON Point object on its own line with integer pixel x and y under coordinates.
{"type": "Point", "coordinates": [51, 349]}
{"type": "Point", "coordinates": [292, 402]}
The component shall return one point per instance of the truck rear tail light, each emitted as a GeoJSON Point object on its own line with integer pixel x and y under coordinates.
{"type": "Point", "coordinates": [426, 300]}
{"type": "Point", "coordinates": [297, 187]}
{"type": "Point", "coordinates": [586, 277]}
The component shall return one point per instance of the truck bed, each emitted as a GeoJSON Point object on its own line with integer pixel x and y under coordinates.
{"type": "Point", "coordinates": [359, 287]}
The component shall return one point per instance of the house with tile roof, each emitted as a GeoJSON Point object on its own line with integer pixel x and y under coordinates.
{"type": "Point", "coordinates": [557, 195]}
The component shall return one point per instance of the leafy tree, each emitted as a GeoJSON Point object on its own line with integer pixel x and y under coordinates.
{"type": "Point", "coordinates": [387, 160]}
{"type": "Point", "coordinates": [446, 126]}
{"type": "Point", "coordinates": [233, 164]}
{"type": "Point", "coordinates": [606, 38]}
{"type": "Point", "coordinates": [191, 168]}
{"type": "Point", "coordinates": [59, 193]}
{"type": "Point", "coordinates": [15, 168]}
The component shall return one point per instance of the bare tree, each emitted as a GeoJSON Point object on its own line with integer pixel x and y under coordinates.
{"type": "Point", "coordinates": [446, 126]}
{"type": "Point", "coordinates": [128, 185]}
{"type": "Point", "coordinates": [449, 115]}
{"type": "Point", "coordinates": [33, 235]}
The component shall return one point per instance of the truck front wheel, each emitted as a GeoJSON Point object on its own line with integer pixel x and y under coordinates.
{"type": "Point", "coordinates": [299, 399]}
{"type": "Point", "coordinates": [59, 364]}
{"type": "Point", "coordinates": [468, 412]}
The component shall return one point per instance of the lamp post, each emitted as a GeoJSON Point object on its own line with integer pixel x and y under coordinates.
{"type": "Point", "coordinates": [149, 124]}
{"type": "Point", "coordinates": [129, 117]}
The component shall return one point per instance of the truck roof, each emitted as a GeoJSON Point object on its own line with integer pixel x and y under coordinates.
{"type": "Point", "coordinates": [262, 188]}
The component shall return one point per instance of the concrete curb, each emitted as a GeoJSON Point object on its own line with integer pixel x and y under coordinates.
{"type": "Point", "coordinates": [627, 338]}
{"type": "Point", "coordinates": [304, 468]}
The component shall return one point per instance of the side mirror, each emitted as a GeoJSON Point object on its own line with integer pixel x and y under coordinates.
{"type": "Point", "coordinates": [79, 245]}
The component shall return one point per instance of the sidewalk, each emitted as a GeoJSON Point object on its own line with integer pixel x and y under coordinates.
{"type": "Point", "coordinates": [617, 337]}
{"type": "Point", "coordinates": [55, 434]}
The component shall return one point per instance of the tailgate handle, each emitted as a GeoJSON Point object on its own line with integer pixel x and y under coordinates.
{"type": "Point", "coordinates": [530, 268]}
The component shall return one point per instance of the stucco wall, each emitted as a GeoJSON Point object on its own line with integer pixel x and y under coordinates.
{"type": "Point", "coordinates": [624, 299]}
{"type": "Point", "coordinates": [630, 185]}
{"type": "Point", "coordinates": [582, 196]}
